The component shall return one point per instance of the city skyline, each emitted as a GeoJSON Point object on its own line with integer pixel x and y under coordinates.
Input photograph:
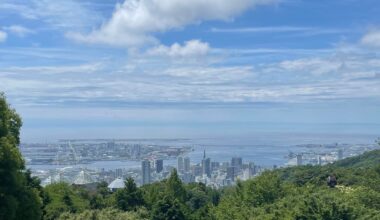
{"type": "Point", "coordinates": [87, 69]}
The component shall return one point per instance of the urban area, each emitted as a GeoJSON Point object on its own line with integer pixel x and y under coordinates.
{"type": "Point", "coordinates": [72, 161]}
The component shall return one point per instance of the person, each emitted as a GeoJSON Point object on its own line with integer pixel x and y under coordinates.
{"type": "Point", "coordinates": [331, 181]}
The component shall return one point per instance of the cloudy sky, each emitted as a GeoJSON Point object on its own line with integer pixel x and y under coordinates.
{"type": "Point", "coordinates": [174, 68]}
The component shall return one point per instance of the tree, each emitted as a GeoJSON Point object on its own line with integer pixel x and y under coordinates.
{"type": "Point", "coordinates": [130, 197]}
{"type": "Point", "coordinates": [63, 198]}
{"type": "Point", "coordinates": [168, 208]}
{"type": "Point", "coordinates": [174, 187]}
{"type": "Point", "coordinates": [19, 196]}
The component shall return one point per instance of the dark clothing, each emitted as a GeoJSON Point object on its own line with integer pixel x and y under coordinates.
{"type": "Point", "coordinates": [331, 181]}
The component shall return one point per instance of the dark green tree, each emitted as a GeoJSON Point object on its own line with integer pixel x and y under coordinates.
{"type": "Point", "coordinates": [174, 187]}
{"type": "Point", "coordinates": [168, 208]}
{"type": "Point", "coordinates": [130, 197]}
{"type": "Point", "coordinates": [19, 196]}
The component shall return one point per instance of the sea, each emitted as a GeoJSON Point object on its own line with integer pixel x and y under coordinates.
{"type": "Point", "coordinates": [266, 150]}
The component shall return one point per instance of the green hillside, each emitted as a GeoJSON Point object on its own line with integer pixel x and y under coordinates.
{"type": "Point", "coordinates": [366, 160]}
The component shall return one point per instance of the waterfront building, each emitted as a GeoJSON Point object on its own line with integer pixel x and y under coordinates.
{"type": "Point", "coordinates": [196, 170]}
{"type": "Point", "coordinates": [186, 162]}
{"type": "Point", "coordinates": [237, 162]}
{"type": "Point", "coordinates": [214, 165]}
{"type": "Point", "coordinates": [146, 176]}
{"type": "Point", "coordinates": [231, 173]}
{"type": "Point", "coordinates": [299, 159]}
{"type": "Point", "coordinates": [159, 166]}
{"type": "Point", "coordinates": [180, 164]}
{"type": "Point", "coordinates": [119, 172]}
{"type": "Point", "coordinates": [340, 154]}
{"type": "Point", "coordinates": [206, 165]}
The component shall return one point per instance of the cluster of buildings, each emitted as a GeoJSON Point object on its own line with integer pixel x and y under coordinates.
{"type": "Point", "coordinates": [325, 154]}
{"type": "Point", "coordinates": [212, 173]}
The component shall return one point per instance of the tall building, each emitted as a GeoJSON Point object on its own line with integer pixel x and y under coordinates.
{"type": "Point", "coordinates": [186, 162]}
{"type": "Point", "coordinates": [319, 160]}
{"type": "Point", "coordinates": [159, 166]}
{"type": "Point", "coordinates": [237, 162]}
{"type": "Point", "coordinates": [231, 173]}
{"type": "Point", "coordinates": [196, 170]}
{"type": "Point", "coordinates": [119, 173]}
{"type": "Point", "coordinates": [214, 165]}
{"type": "Point", "coordinates": [145, 166]}
{"type": "Point", "coordinates": [340, 154]}
{"type": "Point", "coordinates": [299, 159]}
{"type": "Point", "coordinates": [206, 165]}
{"type": "Point", "coordinates": [180, 165]}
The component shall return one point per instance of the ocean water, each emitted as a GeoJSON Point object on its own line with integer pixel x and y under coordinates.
{"type": "Point", "coordinates": [265, 149]}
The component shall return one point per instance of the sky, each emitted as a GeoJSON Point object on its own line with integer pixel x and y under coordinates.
{"type": "Point", "coordinates": [187, 69]}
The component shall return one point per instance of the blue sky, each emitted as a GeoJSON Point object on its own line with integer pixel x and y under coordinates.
{"type": "Point", "coordinates": [173, 68]}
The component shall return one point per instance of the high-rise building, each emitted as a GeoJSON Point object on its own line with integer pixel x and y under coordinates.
{"type": "Point", "coordinates": [214, 165]}
{"type": "Point", "coordinates": [196, 170]}
{"type": "Point", "coordinates": [231, 173]}
{"type": "Point", "coordinates": [340, 154]}
{"type": "Point", "coordinates": [159, 166]}
{"type": "Point", "coordinates": [186, 162]}
{"type": "Point", "coordinates": [119, 173]}
{"type": "Point", "coordinates": [299, 159]}
{"type": "Point", "coordinates": [251, 167]}
{"type": "Point", "coordinates": [180, 165]}
{"type": "Point", "coordinates": [206, 165]}
{"type": "Point", "coordinates": [319, 160]}
{"type": "Point", "coordinates": [145, 166]}
{"type": "Point", "coordinates": [237, 162]}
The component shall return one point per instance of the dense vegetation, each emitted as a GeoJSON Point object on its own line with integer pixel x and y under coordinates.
{"type": "Point", "coordinates": [288, 193]}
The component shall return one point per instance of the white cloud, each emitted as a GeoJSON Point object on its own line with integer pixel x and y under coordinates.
{"type": "Point", "coordinates": [18, 30]}
{"type": "Point", "coordinates": [269, 29]}
{"type": "Point", "coordinates": [372, 38]}
{"type": "Point", "coordinates": [58, 14]}
{"type": "Point", "coordinates": [80, 69]}
{"type": "Point", "coordinates": [3, 36]}
{"type": "Point", "coordinates": [315, 66]}
{"type": "Point", "coordinates": [134, 21]}
{"type": "Point", "coordinates": [188, 49]}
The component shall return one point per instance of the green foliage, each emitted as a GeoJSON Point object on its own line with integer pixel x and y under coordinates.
{"type": "Point", "coordinates": [130, 197]}
{"type": "Point", "coordinates": [168, 208]}
{"type": "Point", "coordinates": [19, 193]}
{"type": "Point", "coordinates": [174, 187]}
{"type": "Point", "coordinates": [106, 214]}
{"type": "Point", "coordinates": [10, 122]}
{"type": "Point", "coordinates": [365, 160]}
{"type": "Point", "coordinates": [63, 198]}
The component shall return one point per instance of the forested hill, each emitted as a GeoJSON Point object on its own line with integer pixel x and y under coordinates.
{"type": "Point", "coordinates": [366, 160]}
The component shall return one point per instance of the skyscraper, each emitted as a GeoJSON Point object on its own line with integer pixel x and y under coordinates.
{"type": "Point", "coordinates": [186, 162]}
{"type": "Point", "coordinates": [159, 166]}
{"type": "Point", "coordinates": [119, 172]}
{"type": "Point", "coordinates": [340, 154]}
{"type": "Point", "coordinates": [231, 173]}
{"type": "Point", "coordinates": [299, 159]}
{"type": "Point", "coordinates": [214, 165]}
{"type": "Point", "coordinates": [145, 166]}
{"type": "Point", "coordinates": [180, 165]}
{"type": "Point", "coordinates": [206, 165]}
{"type": "Point", "coordinates": [237, 162]}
